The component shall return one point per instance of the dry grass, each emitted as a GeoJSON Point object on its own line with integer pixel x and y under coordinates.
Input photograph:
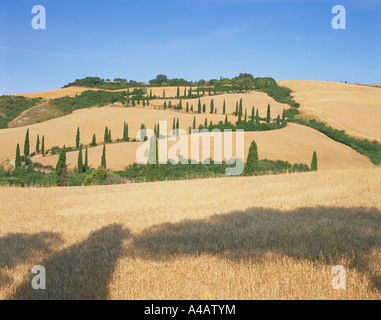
{"type": "Point", "coordinates": [294, 143]}
{"type": "Point", "coordinates": [59, 93]}
{"type": "Point", "coordinates": [274, 237]}
{"type": "Point", "coordinates": [350, 107]}
{"type": "Point", "coordinates": [72, 91]}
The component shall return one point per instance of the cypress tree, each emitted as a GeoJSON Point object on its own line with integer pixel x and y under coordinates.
{"type": "Point", "coordinates": [194, 123]}
{"type": "Point", "coordinates": [284, 115]}
{"type": "Point", "coordinates": [199, 105]}
{"type": "Point", "coordinates": [212, 106]}
{"type": "Point", "coordinates": [142, 132]}
{"type": "Point", "coordinates": [206, 123]}
{"type": "Point", "coordinates": [187, 108]}
{"type": "Point", "coordinates": [144, 102]}
{"type": "Point", "coordinates": [174, 125]}
{"type": "Point", "coordinates": [43, 146]}
{"type": "Point", "coordinates": [38, 144]}
{"type": "Point", "coordinates": [152, 168]}
{"type": "Point", "coordinates": [192, 107]}
{"type": "Point", "coordinates": [245, 115]}
{"type": "Point", "coordinates": [268, 118]}
{"type": "Point", "coordinates": [240, 108]}
{"type": "Point", "coordinates": [178, 92]}
{"type": "Point", "coordinates": [18, 157]}
{"type": "Point", "coordinates": [60, 174]}
{"type": "Point", "coordinates": [236, 108]}
{"type": "Point", "coordinates": [103, 160]}
{"type": "Point", "coordinates": [224, 108]}
{"type": "Point", "coordinates": [226, 119]}
{"type": "Point", "coordinates": [252, 163]}
{"type": "Point", "coordinates": [86, 166]}
{"type": "Point", "coordinates": [314, 163]}
{"type": "Point", "coordinates": [163, 93]}
{"type": "Point", "coordinates": [278, 119]}
{"type": "Point", "coordinates": [257, 120]}
{"type": "Point", "coordinates": [203, 108]}
{"type": "Point", "coordinates": [109, 136]}
{"type": "Point", "coordinates": [185, 91]}
{"type": "Point", "coordinates": [178, 127]}
{"type": "Point", "coordinates": [252, 115]}
{"type": "Point", "coordinates": [77, 139]}
{"type": "Point", "coordinates": [26, 144]}
{"type": "Point", "coordinates": [106, 135]}
{"type": "Point", "coordinates": [80, 161]}
{"type": "Point", "coordinates": [165, 105]}
{"type": "Point", "coordinates": [126, 132]}
{"type": "Point", "coordinates": [128, 96]}
{"type": "Point", "coordinates": [150, 93]}
{"type": "Point", "coordinates": [94, 141]}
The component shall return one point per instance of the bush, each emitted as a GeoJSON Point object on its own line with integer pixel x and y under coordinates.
{"type": "Point", "coordinates": [97, 177]}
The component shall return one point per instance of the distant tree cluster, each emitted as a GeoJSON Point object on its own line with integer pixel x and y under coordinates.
{"type": "Point", "coordinates": [96, 82]}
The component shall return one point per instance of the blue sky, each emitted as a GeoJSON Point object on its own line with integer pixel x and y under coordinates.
{"type": "Point", "coordinates": [192, 39]}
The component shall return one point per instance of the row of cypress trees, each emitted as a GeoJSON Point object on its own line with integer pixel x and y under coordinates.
{"type": "Point", "coordinates": [27, 145]}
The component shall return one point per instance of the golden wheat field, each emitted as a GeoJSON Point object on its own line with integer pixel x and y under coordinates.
{"type": "Point", "coordinates": [350, 107]}
{"type": "Point", "coordinates": [269, 237]}
{"type": "Point", "coordinates": [294, 143]}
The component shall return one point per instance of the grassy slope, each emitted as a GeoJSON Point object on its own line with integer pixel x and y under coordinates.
{"type": "Point", "coordinates": [270, 237]}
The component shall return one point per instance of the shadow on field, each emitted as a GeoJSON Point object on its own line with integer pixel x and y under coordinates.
{"type": "Point", "coordinates": [322, 234]}
{"type": "Point", "coordinates": [82, 271]}
{"type": "Point", "coordinates": [19, 248]}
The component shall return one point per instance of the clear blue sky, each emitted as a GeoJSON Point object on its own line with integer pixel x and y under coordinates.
{"type": "Point", "coordinates": [192, 39]}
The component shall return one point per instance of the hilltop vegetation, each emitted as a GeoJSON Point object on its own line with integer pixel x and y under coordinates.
{"type": "Point", "coordinates": [96, 82]}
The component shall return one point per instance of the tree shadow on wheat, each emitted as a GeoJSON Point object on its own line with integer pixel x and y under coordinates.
{"type": "Point", "coordinates": [82, 271]}
{"type": "Point", "coordinates": [320, 234]}
{"type": "Point", "coordinates": [20, 247]}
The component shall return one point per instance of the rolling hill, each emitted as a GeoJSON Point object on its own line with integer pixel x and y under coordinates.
{"type": "Point", "coordinates": [350, 107]}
